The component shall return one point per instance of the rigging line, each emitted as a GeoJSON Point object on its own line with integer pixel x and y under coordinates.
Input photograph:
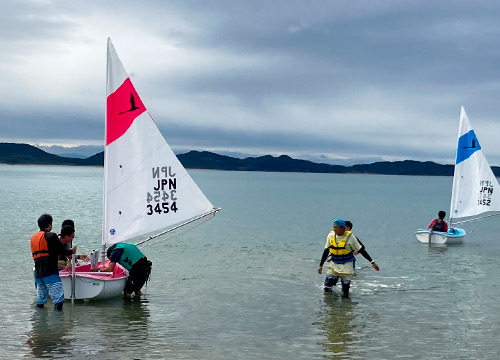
{"type": "Point", "coordinates": [212, 212]}
{"type": "Point", "coordinates": [478, 218]}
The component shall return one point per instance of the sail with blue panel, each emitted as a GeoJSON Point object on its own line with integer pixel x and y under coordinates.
{"type": "Point", "coordinates": [475, 188]}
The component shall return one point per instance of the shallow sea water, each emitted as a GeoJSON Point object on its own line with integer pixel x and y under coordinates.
{"type": "Point", "coordinates": [244, 285]}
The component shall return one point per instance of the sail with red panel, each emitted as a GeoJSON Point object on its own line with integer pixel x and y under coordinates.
{"type": "Point", "coordinates": [146, 188]}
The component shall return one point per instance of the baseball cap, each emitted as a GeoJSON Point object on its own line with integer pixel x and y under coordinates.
{"type": "Point", "coordinates": [339, 222]}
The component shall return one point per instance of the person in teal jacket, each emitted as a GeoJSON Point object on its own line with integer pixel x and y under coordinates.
{"type": "Point", "coordinates": [131, 258]}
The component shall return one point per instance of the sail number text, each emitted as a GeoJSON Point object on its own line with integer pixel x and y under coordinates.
{"type": "Point", "coordinates": [485, 193]}
{"type": "Point", "coordinates": [162, 199]}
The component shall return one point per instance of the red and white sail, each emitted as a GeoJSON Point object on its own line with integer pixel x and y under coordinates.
{"type": "Point", "coordinates": [146, 189]}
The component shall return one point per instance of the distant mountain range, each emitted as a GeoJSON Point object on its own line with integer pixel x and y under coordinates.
{"type": "Point", "coordinates": [29, 155]}
{"type": "Point", "coordinates": [80, 152]}
{"type": "Point", "coordinates": [17, 154]}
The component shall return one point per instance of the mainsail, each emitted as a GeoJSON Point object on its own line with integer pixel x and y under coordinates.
{"type": "Point", "coordinates": [475, 188]}
{"type": "Point", "coordinates": [146, 188]}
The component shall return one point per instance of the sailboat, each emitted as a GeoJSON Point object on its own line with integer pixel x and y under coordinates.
{"type": "Point", "coordinates": [475, 194]}
{"type": "Point", "coordinates": [147, 191]}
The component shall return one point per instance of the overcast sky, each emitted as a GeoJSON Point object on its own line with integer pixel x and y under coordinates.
{"type": "Point", "coordinates": [332, 81]}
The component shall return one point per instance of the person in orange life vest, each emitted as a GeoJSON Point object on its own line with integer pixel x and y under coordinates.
{"type": "Point", "coordinates": [439, 224]}
{"type": "Point", "coordinates": [45, 249]}
{"type": "Point", "coordinates": [66, 237]}
{"type": "Point", "coordinates": [348, 226]}
{"type": "Point", "coordinates": [340, 245]}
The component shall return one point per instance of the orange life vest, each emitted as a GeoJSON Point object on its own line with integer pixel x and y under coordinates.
{"type": "Point", "coordinates": [39, 246]}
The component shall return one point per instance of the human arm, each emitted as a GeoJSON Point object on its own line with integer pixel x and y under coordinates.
{"type": "Point", "coordinates": [109, 268]}
{"type": "Point", "coordinates": [431, 224]}
{"type": "Point", "coordinates": [82, 257]}
{"type": "Point", "coordinates": [323, 259]}
{"type": "Point", "coordinates": [113, 260]}
{"type": "Point", "coordinates": [367, 256]}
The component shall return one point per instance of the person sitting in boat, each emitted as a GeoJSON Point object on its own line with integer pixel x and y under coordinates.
{"type": "Point", "coordinates": [439, 224]}
{"type": "Point", "coordinates": [348, 227]}
{"type": "Point", "coordinates": [131, 258]}
{"type": "Point", "coordinates": [66, 237]}
{"type": "Point", "coordinates": [45, 249]}
{"type": "Point", "coordinates": [340, 246]}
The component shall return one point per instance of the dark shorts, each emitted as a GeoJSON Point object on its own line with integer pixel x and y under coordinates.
{"type": "Point", "coordinates": [139, 274]}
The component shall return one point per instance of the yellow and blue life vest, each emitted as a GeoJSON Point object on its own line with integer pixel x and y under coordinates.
{"type": "Point", "coordinates": [338, 253]}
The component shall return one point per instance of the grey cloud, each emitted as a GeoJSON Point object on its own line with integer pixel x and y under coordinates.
{"type": "Point", "coordinates": [410, 65]}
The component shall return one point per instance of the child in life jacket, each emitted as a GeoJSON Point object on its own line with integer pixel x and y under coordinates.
{"type": "Point", "coordinates": [439, 224]}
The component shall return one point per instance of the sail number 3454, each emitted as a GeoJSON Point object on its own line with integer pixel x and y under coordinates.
{"type": "Point", "coordinates": [160, 205]}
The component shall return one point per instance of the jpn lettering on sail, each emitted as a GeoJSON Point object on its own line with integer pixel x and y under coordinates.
{"type": "Point", "coordinates": [146, 188]}
{"type": "Point", "coordinates": [475, 187]}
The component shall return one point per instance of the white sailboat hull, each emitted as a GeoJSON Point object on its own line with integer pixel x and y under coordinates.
{"type": "Point", "coordinates": [437, 237]}
{"type": "Point", "coordinates": [94, 286]}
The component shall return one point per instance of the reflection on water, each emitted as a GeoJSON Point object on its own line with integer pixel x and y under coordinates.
{"type": "Point", "coordinates": [48, 335]}
{"type": "Point", "coordinates": [92, 328]}
{"type": "Point", "coordinates": [336, 321]}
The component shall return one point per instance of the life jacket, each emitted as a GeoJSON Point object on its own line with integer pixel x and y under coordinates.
{"type": "Point", "coordinates": [131, 254]}
{"type": "Point", "coordinates": [39, 246]}
{"type": "Point", "coordinates": [338, 253]}
{"type": "Point", "coordinates": [438, 225]}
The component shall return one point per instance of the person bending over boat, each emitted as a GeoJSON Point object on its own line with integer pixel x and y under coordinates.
{"type": "Point", "coordinates": [45, 249]}
{"type": "Point", "coordinates": [439, 224]}
{"type": "Point", "coordinates": [340, 245]}
{"type": "Point", "coordinates": [348, 227]}
{"type": "Point", "coordinates": [131, 258]}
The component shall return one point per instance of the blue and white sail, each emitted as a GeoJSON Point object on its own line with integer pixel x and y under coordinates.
{"type": "Point", "coordinates": [475, 188]}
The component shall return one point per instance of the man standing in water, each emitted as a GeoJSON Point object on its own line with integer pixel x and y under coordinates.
{"type": "Point", "coordinates": [131, 258]}
{"type": "Point", "coordinates": [45, 249]}
{"type": "Point", "coordinates": [340, 245]}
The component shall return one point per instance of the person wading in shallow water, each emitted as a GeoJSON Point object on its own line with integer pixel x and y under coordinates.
{"type": "Point", "coordinates": [348, 227]}
{"type": "Point", "coordinates": [131, 258]}
{"type": "Point", "coordinates": [46, 249]}
{"type": "Point", "coordinates": [340, 246]}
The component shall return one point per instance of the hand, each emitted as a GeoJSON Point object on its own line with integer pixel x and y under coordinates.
{"type": "Point", "coordinates": [375, 266]}
{"type": "Point", "coordinates": [84, 257]}
{"type": "Point", "coordinates": [320, 270]}
{"type": "Point", "coordinates": [73, 249]}
{"type": "Point", "coordinates": [355, 253]}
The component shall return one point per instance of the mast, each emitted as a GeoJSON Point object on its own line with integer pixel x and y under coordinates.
{"type": "Point", "coordinates": [103, 248]}
{"type": "Point", "coordinates": [454, 187]}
